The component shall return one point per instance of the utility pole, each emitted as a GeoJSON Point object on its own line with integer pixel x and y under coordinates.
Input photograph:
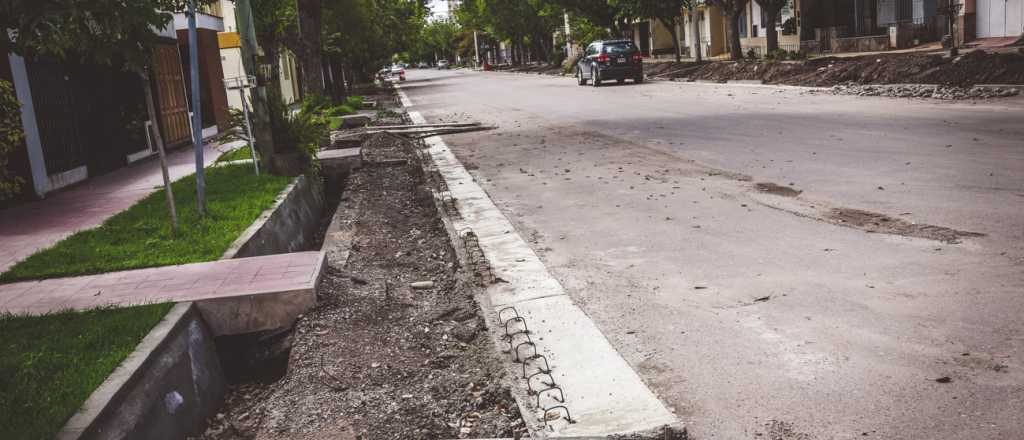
{"type": "Point", "coordinates": [476, 49]}
{"type": "Point", "coordinates": [568, 38]}
{"type": "Point", "coordinates": [197, 120]}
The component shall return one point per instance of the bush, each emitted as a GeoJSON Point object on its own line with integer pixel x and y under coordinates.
{"type": "Point", "coordinates": [355, 102]}
{"type": "Point", "coordinates": [10, 138]}
{"type": "Point", "coordinates": [339, 110]}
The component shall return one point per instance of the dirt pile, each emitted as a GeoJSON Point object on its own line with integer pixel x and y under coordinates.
{"type": "Point", "coordinates": [540, 69]}
{"type": "Point", "coordinates": [977, 67]}
{"type": "Point", "coordinates": [924, 91]}
{"type": "Point", "coordinates": [378, 358]}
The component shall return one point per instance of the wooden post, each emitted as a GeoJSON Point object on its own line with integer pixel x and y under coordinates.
{"type": "Point", "coordinates": [159, 140]}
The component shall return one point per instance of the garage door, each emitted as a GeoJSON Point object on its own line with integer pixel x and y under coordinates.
{"type": "Point", "coordinates": [1000, 18]}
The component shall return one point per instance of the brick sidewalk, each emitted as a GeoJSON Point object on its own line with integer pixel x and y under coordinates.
{"type": "Point", "coordinates": [27, 228]}
{"type": "Point", "coordinates": [272, 274]}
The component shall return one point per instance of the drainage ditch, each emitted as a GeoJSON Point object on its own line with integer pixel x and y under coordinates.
{"type": "Point", "coordinates": [395, 348]}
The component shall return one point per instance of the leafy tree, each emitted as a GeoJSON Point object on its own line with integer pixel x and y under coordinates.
{"type": "Point", "coordinates": [100, 31]}
{"type": "Point", "coordinates": [665, 11]}
{"type": "Point", "coordinates": [772, 9]}
{"type": "Point", "coordinates": [732, 10]}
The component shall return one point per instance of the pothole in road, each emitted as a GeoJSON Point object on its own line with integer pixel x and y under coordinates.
{"type": "Point", "coordinates": [881, 223]}
{"type": "Point", "coordinates": [779, 190]}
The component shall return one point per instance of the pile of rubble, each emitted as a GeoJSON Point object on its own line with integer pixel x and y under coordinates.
{"type": "Point", "coordinates": [924, 91]}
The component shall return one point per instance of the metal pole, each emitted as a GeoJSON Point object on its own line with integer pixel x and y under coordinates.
{"type": "Point", "coordinates": [248, 130]}
{"type": "Point", "coordinates": [197, 124]}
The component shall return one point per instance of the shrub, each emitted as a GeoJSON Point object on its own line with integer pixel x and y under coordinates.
{"type": "Point", "coordinates": [354, 102]}
{"type": "Point", "coordinates": [10, 138]}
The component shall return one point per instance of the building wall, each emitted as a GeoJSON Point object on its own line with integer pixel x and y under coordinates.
{"type": "Point", "coordinates": [712, 32]}
{"type": "Point", "coordinates": [758, 31]}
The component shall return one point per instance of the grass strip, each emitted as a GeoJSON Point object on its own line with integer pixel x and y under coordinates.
{"type": "Point", "coordinates": [141, 236]}
{"type": "Point", "coordinates": [50, 364]}
{"type": "Point", "coordinates": [240, 153]}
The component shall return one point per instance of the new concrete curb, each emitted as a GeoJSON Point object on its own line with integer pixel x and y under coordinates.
{"type": "Point", "coordinates": [606, 401]}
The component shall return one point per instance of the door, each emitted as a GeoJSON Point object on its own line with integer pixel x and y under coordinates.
{"type": "Point", "coordinates": [645, 38]}
{"type": "Point", "coordinates": [1014, 17]}
{"type": "Point", "coordinates": [999, 18]}
{"type": "Point", "coordinates": [172, 107]}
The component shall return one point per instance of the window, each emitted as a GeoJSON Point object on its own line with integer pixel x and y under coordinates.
{"type": "Point", "coordinates": [619, 48]}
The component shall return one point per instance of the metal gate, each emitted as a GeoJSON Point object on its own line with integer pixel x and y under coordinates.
{"type": "Point", "coordinates": [54, 100]}
{"type": "Point", "coordinates": [170, 94]}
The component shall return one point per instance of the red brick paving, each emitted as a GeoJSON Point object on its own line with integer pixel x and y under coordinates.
{"type": "Point", "coordinates": [282, 273]}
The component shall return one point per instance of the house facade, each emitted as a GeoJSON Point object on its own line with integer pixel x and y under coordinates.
{"type": "Point", "coordinates": [82, 120]}
{"type": "Point", "coordinates": [230, 45]}
{"type": "Point", "coordinates": [213, 96]}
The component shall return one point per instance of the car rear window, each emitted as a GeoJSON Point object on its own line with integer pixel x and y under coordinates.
{"type": "Point", "coordinates": [618, 48]}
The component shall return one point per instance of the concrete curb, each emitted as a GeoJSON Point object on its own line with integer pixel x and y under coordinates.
{"type": "Point", "coordinates": [606, 401]}
{"type": "Point", "coordinates": [181, 325]}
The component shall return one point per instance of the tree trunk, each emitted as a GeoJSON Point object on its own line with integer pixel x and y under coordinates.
{"type": "Point", "coordinates": [671, 25]}
{"type": "Point", "coordinates": [733, 31]}
{"type": "Point", "coordinates": [696, 35]}
{"type": "Point", "coordinates": [309, 14]}
{"type": "Point", "coordinates": [772, 35]}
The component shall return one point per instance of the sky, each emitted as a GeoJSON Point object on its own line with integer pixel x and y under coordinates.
{"type": "Point", "coordinates": [439, 8]}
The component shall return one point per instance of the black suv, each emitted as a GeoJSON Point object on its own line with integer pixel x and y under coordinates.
{"type": "Point", "coordinates": [608, 60]}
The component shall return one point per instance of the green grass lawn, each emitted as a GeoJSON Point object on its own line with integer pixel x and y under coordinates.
{"type": "Point", "coordinates": [141, 236]}
{"type": "Point", "coordinates": [240, 153]}
{"type": "Point", "coordinates": [50, 364]}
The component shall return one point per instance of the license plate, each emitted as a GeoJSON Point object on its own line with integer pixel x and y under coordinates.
{"type": "Point", "coordinates": [622, 60]}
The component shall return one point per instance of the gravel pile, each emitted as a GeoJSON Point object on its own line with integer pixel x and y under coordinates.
{"type": "Point", "coordinates": [924, 91]}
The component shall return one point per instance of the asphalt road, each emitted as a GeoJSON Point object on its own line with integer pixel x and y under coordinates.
{"type": "Point", "coordinates": [754, 315]}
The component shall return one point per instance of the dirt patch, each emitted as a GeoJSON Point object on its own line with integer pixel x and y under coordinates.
{"type": "Point", "coordinates": [977, 67]}
{"type": "Point", "coordinates": [780, 430]}
{"type": "Point", "coordinates": [881, 223]}
{"type": "Point", "coordinates": [378, 359]}
{"type": "Point", "coordinates": [779, 190]}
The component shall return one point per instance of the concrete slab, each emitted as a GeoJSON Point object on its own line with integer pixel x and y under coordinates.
{"type": "Point", "coordinates": [607, 400]}
{"type": "Point", "coordinates": [277, 285]}
{"type": "Point", "coordinates": [353, 121]}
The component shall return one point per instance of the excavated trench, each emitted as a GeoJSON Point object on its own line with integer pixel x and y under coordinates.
{"type": "Point", "coordinates": [377, 357]}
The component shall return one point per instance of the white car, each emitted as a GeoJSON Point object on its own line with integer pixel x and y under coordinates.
{"type": "Point", "coordinates": [399, 71]}
{"type": "Point", "coordinates": [443, 64]}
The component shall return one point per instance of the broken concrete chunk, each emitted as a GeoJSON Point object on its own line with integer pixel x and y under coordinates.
{"type": "Point", "coordinates": [421, 285]}
{"type": "Point", "coordinates": [353, 121]}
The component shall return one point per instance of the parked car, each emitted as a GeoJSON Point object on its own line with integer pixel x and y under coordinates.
{"type": "Point", "coordinates": [610, 60]}
{"type": "Point", "coordinates": [399, 71]}
{"type": "Point", "coordinates": [422, 65]}
{"type": "Point", "coordinates": [442, 64]}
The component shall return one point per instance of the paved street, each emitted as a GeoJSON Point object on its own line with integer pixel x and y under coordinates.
{"type": "Point", "coordinates": [762, 311]}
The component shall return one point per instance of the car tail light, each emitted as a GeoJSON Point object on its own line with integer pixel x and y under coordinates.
{"type": "Point", "coordinates": [603, 58]}
{"type": "Point", "coordinates": [637, 57]}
